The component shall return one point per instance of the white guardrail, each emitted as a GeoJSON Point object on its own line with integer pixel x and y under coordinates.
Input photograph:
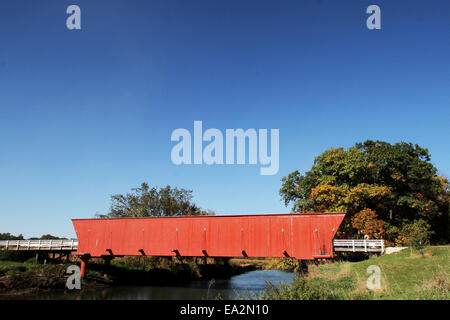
{"type": "Point", "coordinates": [39, 244]}
{"type": "Point", "coordinates": [71, 245]}
{"type": "Point", "coordinates": [355, 245]}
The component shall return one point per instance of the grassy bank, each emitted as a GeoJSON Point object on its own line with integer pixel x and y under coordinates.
{"type": "Point", "coordinates": [404, 275]}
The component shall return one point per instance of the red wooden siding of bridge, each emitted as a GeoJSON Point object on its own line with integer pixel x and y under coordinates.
{"type": "Point", "coordinates": [303, 236]}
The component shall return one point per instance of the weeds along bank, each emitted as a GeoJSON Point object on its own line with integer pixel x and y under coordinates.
{"type": "Point", "coordinates": [404, 275]}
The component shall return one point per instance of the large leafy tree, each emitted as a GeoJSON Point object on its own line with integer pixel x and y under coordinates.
{"type": "Point", "coordinates": [153, 202]}
{"type": "Point", "coordinates": [395, 181]}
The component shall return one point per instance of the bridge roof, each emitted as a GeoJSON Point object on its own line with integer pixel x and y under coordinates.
{"type": "Point", "coordinates": [219, 216]}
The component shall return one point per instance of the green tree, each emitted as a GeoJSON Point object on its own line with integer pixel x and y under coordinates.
{"type": "Point", "coordinates": [397, 181]}
{"type": "Point", "coordinates": [48, 237]}
{"type": "Point", "coordinates": [9, 236]}
{"type": "Point", "coordinates": [153, 202]}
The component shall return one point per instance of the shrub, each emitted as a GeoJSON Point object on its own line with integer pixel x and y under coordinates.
{"type": "Point", "coordinates": [310, 289]}
{"type": "Point", "coordinates": [285, 264]}
{"type": "Point", "coordinates": [417, 234]}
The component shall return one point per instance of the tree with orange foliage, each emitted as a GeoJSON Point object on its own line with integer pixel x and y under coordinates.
{"type": "Point", "coordinates": [367, 223]}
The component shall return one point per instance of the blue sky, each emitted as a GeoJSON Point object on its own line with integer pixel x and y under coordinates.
{"type": "Point", "coordinates": [89, 113]}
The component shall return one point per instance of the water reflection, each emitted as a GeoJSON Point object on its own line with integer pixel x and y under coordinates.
{"type": "Point", "coordinates": [254, 281]}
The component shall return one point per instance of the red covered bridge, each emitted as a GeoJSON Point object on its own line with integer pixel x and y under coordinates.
{"type": "Point", "coordinates": [305, 236]}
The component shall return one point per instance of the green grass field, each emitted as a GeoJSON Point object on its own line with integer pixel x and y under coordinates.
{"type": "Point", "coordinates": [13, 267]}
{"type": "Point", "coordinates": [404, 275]}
